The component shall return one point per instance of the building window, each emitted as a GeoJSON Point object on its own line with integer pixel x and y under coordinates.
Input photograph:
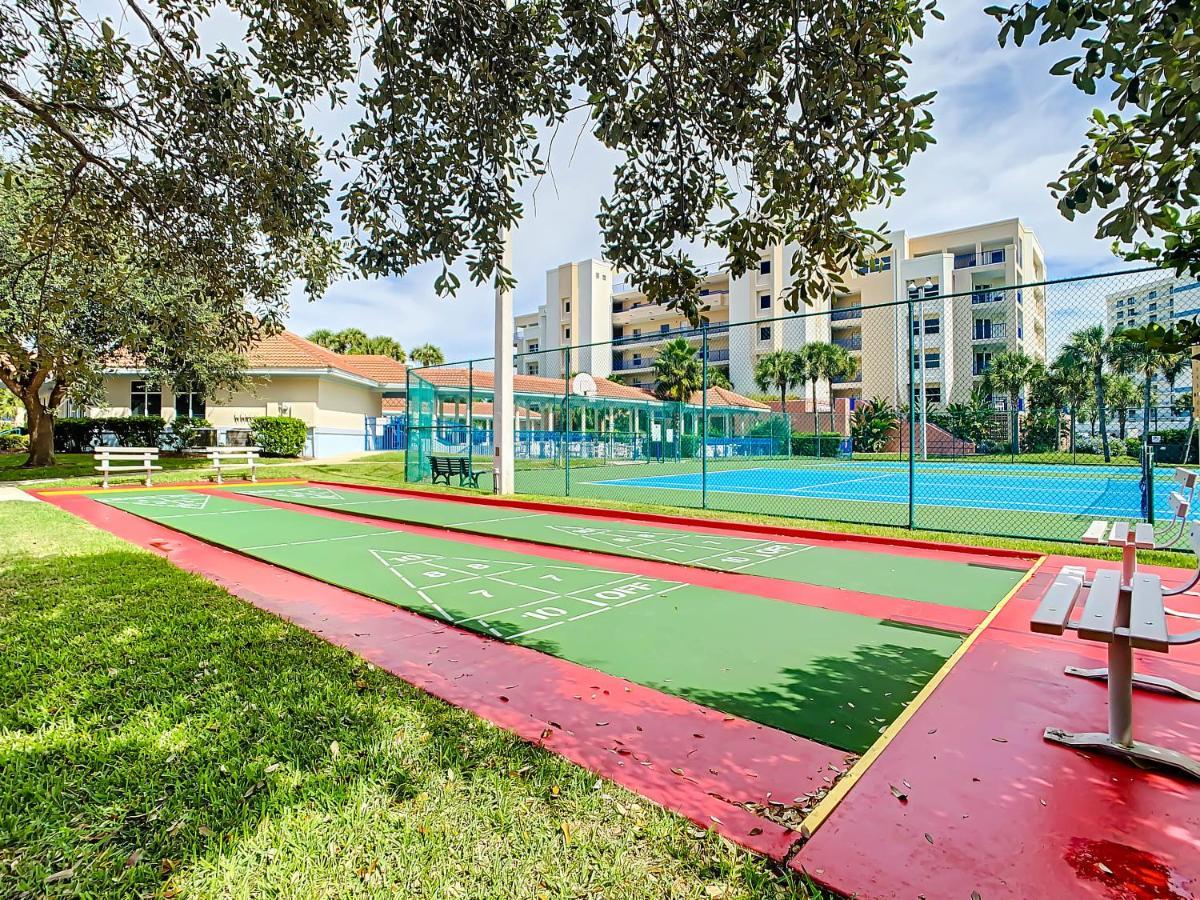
{"type": "Point", "coordinates": [933, 325]}
{"type": "Point", "coordinates": [566, 306]}
{"type": "Point", "coordinates": [982, 361]}
{"type": "Point", "coordinates": [764, 267]}
{"type": "Point", "coordinates": [764, 333]}
{"type": "Point", "coordinates": [983, 329]}
{"type": "Point", "coordinates": [533, 346]}
{"type": "Point", "coordinates": [933, 393]}
{"type": "Point", "coordinates": [764, 301]}
{"type": "Point", "coordinates": [664, 329]}
{"type": "Point", "coordinates": [567, 333]}
{"type": "Point", "coordinates": [531, 368]}
{"type": "Point", "coordinates": [145, 398]}
{"type": "Point", "coordinates": [190, 404]}
{"type": "Point", "coordinates": [933, 359]}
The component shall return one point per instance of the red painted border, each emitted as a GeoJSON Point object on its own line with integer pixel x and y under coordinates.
{"type": "Point", "coordinates": [712, 526]}
{"type": "Point", "coordinates": [696, 761]}
{"type": "Point", "coordinates": [894, 609]}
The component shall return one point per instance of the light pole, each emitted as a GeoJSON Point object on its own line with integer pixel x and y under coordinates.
{"type": "Point", "coordinates": [502, 378]}
{"type": "Point", "coordinates": [919, 321]}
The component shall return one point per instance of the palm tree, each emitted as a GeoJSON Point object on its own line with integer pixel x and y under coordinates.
{"type": "Point", "coordinates": [836, 362]}
{"type": "Point", "coordinates": [1172, 366]}
{"type": "Point", "coordinates": [677, 371]}
{"type": "Point", "coordinates": [1137, 357]}
{"type": "Point", "coordinates": [779, 370]}
{"type": "Point", "coordinates": [1008, 374]}
{"type": "Point", "coordinates": [1122, 395]}
{"type": "Point", "coordinates": [971, 419]}
{"type": "Point", "coordinates": [718, 378]}
{"type": "Point", "coordinates": [427, 355]}
{"type": "Point", "coordinates": [1089, 349]}
{"type": "Point", "coordinates": [323, 336]}
{"type": "Point", "coordinates": [382, 345]}
{"type": "Point", "coordinates": [872, 424]}
{"type": "Point", "coordinates": [1069, 384]}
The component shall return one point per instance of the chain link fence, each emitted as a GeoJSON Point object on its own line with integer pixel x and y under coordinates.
{"type": "Point", "coordinates": [1016, 411]}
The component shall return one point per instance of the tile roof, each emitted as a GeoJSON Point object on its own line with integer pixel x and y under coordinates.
{"type": "Point", "coordinates": [376, 367]}
{"type": "Point", "coordinates": [527, 384]}
{"type": "Point", "coordinates": [719, 396]}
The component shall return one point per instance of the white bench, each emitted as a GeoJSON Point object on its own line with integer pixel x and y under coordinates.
{"type": "Point", "coordinates": [128, 460]}
{"type": "Point", "coordinates": [227, 457]}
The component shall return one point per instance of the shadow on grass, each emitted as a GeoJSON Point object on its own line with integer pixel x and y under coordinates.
{"type": "Point", "coordinates": [157, 734]}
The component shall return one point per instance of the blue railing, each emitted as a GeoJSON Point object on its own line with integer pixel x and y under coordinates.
{"type": "Point", "coordinates": [983, 258]}
{"type": "Point", "coordinates": [987, 297]}
{"type": "Point", "coordinates": [852, 312]}
{"type": "Point", "coordinates": [850, 343]}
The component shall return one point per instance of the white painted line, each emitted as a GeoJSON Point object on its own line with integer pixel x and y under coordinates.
{"type": "Point", "coordinates": [348, 537]}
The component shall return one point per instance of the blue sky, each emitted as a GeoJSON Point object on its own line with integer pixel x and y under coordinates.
{"type": "Point", "coordinates": [1004, 128]}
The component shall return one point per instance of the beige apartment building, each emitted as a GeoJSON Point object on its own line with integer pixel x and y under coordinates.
{"type": "Point", "coordinates": [609, 329]}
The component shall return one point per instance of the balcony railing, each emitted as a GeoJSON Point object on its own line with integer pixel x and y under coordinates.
{"type": "Point", "coordinates": [995, 333]}
{"type": "Point", "coordinates": [718, 356]}
{"type": "Point", "coordinates": [847, 379]}
{"type": "Point", "coordinates": [850, 343]}
{"type": "Point", "coordinates": [621, 365]}
{"type": "Point", "coordinates": [849, 312]}
{"type": "Point", "coordinates": [988, 297]}
{"type": "Point", "coordinates": [982, 258]}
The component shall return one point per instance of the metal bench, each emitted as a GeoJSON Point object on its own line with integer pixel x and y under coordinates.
{"type": "Point", "coordinates": [128, 460]}
{"type": "Point", "coordinates": [1122, 616]}
{"type": "Point", "coordinates": [445, 466]}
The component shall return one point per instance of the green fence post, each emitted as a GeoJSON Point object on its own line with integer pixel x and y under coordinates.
{"type": "Point", "coordinates": [567, 421]}
{"type": "Point", "coordinates": [471, 414]}
{"type": "Point", "coordinates": [912, 406]}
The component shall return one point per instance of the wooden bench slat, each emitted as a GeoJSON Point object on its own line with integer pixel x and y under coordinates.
{"type": "Point", "coordinates": [1147, 617]}
{"type": "Point", "coordinates": [1179, 504]}
{"type": "Point", "coordinates": [1143, 536]}
{"type": "Point", "coordinates": [1119, 534]}
{"type": "Point", "coordinates": [1185, 477]}
{"type": "Point", "coordinates": [1053, 613]}
{"type": "Point", "coordinates": [1095, 532]}
{"type": "Point", "coordinates": [1099, 618]}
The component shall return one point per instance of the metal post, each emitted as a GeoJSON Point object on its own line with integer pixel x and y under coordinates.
{"type": "Point", "coordinates": [471, 413]}
{"type": "Point", "coordinates": [704, 416]}
{"type": "Point", "coordinates": [912, 407]}
{"type": "Point", "coordinates": [567, 419]}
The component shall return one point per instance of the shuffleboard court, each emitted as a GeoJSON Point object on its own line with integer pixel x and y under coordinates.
{"type": "Point", "coordinates": [1112, 492]}
{"type": "Point", "coordinates": [829, 676]}
{"type": "Point", "coordinates": [944, 582]}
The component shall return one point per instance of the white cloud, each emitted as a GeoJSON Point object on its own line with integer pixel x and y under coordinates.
{"type": "Point", "coordinates": [1004, 127]}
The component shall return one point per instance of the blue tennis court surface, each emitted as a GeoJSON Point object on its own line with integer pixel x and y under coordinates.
{"type": "Point", "coordinates": [1071, 490]}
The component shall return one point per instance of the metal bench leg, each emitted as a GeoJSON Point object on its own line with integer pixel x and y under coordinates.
{"type": "Point", "coordinates": [1139, 680]}
{"type": "Point", "coordinates": [1119, 740]}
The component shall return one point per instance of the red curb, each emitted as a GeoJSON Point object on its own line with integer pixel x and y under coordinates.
{"type": "Point", "coordinates": [696, 761]}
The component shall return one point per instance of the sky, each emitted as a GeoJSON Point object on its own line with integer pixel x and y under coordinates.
{"type": "Point", "coordinates": [1004, 129]}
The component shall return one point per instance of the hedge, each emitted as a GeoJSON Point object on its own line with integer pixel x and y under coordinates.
{"type": "Point", "coordinates": [806, 444]}
{"type": "Point", "coordinates": [279, 435]}
{"type": "Point", "coordinates": [12, 442]}
{"type": "Point", "coordinates": [78, 434]}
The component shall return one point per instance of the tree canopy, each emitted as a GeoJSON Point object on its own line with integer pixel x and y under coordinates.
{"type": "Point", "coordinates": [1142, 162]}
{"type": "Point", "coordinates": [355, 340]}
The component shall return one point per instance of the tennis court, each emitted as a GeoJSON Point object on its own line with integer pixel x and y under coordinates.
{"type": "Point", "coordinates": [835, 677]}
{"type": "Point", "coordinates": [1020, 499]}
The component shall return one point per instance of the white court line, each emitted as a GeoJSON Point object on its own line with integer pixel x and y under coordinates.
{"type": "Point", "coordinates": [491, 521]}
{"type": "Point", "coordinates": [822, 486]}
{"type": "Point", "coordinates": [593, 612]}
{"type": "Point", "coordinates": [348, 537]}
{"type": "Point", "coordinates": [568, 595]}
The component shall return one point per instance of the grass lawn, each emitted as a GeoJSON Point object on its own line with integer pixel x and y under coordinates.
{"type": "Point", "coordinates": [161, 737]}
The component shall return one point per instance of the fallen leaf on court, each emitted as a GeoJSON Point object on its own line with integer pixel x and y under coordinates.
{"type": "Point", "coordinates": [897, 793]}
{"type": "Point", "coordinates": [61, 875]}
{"type": "Point", "coordinates": [133, 858]}
{"type": "Point", "coordinates": [273, 767]}
{"type": "Point", "coordinates": [677, 771]}
{"type": "Point", "coordinates": [715, 890]}
{"type": "Point", "coordinates": [1103, 868]}
{"type": "Point", "coordinates": [566, 830]}
{"type": "Point", "coordinates": [755, 832]}
{"type": "Point", "coordinates": [928, 837]}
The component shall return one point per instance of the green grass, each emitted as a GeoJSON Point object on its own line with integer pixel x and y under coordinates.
{"type": "Point", "coordinates": [161, 737]}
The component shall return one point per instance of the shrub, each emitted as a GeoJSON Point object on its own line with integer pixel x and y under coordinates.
{"type": "Point", "coordinates": [11, 442]}
{"type": "Point", "coordinates": [135, 431]}
{"type": "Point", "coordinates": [806, 444]}
{"type": "Point", "coordinates": [185, 432]}
{"type": "Point", "coordinates": [279, 435]}
{"type": "Point", "coordinates": [75, 434]}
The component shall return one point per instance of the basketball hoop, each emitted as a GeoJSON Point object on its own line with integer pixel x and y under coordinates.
{"type": "Point", "coordinates": [583, 385]}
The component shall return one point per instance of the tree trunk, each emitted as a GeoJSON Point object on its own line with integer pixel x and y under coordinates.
{"type": "Point", "coordinates": [41, 433]}
{"type": "Point", "coordinates": [1101, 412]}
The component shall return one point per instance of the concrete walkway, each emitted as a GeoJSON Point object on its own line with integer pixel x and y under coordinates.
{"type": "Point", "coordinates": [16, 494]}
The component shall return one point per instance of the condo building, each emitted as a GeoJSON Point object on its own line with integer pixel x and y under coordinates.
{"type": "Point", "coordinates": [593, 320]}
